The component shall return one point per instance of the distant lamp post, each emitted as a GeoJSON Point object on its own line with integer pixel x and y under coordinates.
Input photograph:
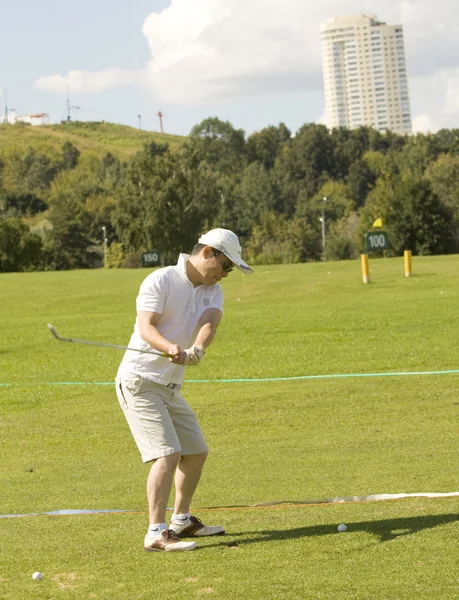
{"type": "Point", "coordinates": [69, 107]}
{"type": "Point", "coordinates": [140, 121]}
{"type": "Point", "coordinates": [160, 115]}
{"type": "Point", "coordinates": [104, 231]}
{"type": "Point", "coordinates": [5, 96]}
{"type": "Point", "coordinates": [8, 109]}
{"type": "Point", "coordinates": [322, 220]}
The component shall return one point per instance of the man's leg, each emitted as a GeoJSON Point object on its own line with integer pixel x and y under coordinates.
{"type": "Point", "coordinates": [189, 469]}
{"type": "Point", "coordinates": [187, 478]}
{"type": "Point", "coordinates": [159, 484]}
{"type": "Point", "coordinates": [144, 405]}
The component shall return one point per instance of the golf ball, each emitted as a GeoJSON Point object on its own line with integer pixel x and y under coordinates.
{"type": "Point", "coordinates": [342, 527]}
{"type": "Point", "coordinates": [37, 576]}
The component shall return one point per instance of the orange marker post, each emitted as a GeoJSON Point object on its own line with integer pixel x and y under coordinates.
{"type": "Point", "coordinates": [407, 255]}
{"type": "Point", "coordinates": [365, 268]}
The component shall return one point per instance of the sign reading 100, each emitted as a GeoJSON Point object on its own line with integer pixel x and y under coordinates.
{"type": "Point", "coordinates": [377, 240]}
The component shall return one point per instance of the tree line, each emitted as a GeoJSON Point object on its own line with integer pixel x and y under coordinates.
{"type": "Point", "coordinates": [272, 188]}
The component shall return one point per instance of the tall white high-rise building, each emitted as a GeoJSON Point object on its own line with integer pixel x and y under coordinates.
{"type": "Point", "coordinates": [365, 74]}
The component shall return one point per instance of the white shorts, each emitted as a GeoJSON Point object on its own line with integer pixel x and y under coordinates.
{"type": "Point", "coordinates": [159, 417]}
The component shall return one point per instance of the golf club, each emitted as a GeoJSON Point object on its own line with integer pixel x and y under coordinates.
{"type": "Point", "coordinates": [74, 341]}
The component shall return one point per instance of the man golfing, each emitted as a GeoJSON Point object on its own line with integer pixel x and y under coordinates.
{"type": "Point", "coordinates": [178, 311]}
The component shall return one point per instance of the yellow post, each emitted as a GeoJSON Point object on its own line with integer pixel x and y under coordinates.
{"type": "Point", "coordinates": [407, 263]}
{"type": "Point", "coordinates": [365, 268]}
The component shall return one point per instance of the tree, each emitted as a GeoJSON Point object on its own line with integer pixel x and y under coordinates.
{"type": "Point", "coordinates": [100, 203]}
{"type": "Point", "coordinates": [383, 142]}
{"type": "Point", "coordinates": [378, 164]}
{"type": "Point", "coordinates": [70, 155]}
{"type": "Point", "coordinates": [444, 177]}
{"type": "Point", "coordinates": [412, 214]}
{"type": "Point", "coordinates": [417, 154]}
{"type": "Point", "coordinates": [303, 166]}
{"type": "Point", "coordinates": [3, 201]}
{"type": "Point", "coordinates": [165, 203]}
{"type": "Point", "coordinates": [360, 180]}
{"type": "Point", "coordinates": [27, 180]}
{"type": "Point", "coordinates": [274, 239]}
{"type": "Point", "coordinates": [264, 146]}
{"type": "Point", "coordinates": [19, 249]}
{"type": "Point", "coordinates": [378, 204]}
{"type": "Point", "coordinates": [67, 245]}
{"type": "Point", "coordinates": [74, 227]}
{"type": "Point", "coordinates": [419, 221]}
{"type": "Point", "coordinates": [255, 195]}
{"type": "Point", "coordinates": [337, 205]}
{"type": "Point", "coordinates": [343, 238]}
{"type": "Point", "coordinates": [331, 202]}
{"type": "Point", "coordinates": [219, 144]}
{"type": "Point", "coordinates": [447, 141]}
{"type": "Point", "coordinates": [348, 146]}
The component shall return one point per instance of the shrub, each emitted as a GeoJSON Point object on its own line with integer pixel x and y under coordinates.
{"type": "Point", "coordinates": [115, 256]}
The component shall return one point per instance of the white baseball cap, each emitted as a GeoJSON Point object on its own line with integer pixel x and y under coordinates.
{"type": "Point", "coordinates": [227, 242]}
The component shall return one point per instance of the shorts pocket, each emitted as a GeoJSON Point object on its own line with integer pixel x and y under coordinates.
{"type": "Point", "coordinates": [133, 384]}
{"type": "Point", "coordinates": [120, 394]}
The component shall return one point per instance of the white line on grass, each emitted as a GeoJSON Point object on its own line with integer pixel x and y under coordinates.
{"type": "Point", "coordinates": [338, 500]}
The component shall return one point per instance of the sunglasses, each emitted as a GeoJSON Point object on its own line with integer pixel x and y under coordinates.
{"type": "Point", "coordinates": [227, 267]}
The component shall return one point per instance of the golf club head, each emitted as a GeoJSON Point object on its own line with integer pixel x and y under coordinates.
{"type": "Point", "coordinates": [53, 331]}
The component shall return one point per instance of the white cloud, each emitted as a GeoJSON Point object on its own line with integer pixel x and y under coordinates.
{"type": "Point", "coordinates": [423, 124]}
{"type": "Point", "coordinates": [87, 82]}
{"type": "Point", "coordinates": [216, 48]}
{"type": "Point", "coordinates": [451, 79]}
{"type": "Point", "coordinates": [435, 100]}
{"type": "Point", "coordinates": [321, 119]}
{"type": "Point", "coordinates": [221, 48]}
{"type": "Point", "coordinates": [207, 50]}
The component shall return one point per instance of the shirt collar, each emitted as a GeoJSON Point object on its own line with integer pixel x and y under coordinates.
{"type": "Point", "coordinates": [181, 264]}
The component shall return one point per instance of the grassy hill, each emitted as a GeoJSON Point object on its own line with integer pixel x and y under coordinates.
{"type": "Point", "coordinates": [98, 137]}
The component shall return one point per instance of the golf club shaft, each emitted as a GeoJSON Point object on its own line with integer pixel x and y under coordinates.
{"type": "Point", "coordinates": [87, 342]}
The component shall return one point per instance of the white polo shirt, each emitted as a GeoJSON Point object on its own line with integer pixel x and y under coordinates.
{"type": "Point", "coordinates": [170, 293]}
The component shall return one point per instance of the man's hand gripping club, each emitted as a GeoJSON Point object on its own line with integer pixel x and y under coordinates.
{"type": "Point", "coordinates": [190, 356]}
{"type": "Point", "coordinates": [194, 355]}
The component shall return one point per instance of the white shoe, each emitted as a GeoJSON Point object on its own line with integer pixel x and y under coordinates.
{"type": "Point", "coordinates": [194, 527]}
{"type": "Point", "coordinates": [167, 541]}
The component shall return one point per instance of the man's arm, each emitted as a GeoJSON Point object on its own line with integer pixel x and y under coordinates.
{"type": "Point", "coordinates": [207, 327]}
{"type": "Point", "coordinates": [148, 332]}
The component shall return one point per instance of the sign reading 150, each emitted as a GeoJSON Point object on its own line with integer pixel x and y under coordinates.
{"type": "Point", "coordinates": [150, 259]}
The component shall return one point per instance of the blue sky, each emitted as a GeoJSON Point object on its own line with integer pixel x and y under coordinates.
{"type": "Point", "coordinates": [252, 62]}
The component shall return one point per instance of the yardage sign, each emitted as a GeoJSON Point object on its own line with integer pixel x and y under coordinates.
{"type": "Point", "coordinates": [376, 240]}
{"type": "Point", "coordinates": [150, 259]}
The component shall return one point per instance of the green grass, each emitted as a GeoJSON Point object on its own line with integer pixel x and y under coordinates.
{"type": "Point", "coordinates": [100, 138]}
{"type": "Point", "coordinates": [68, 446]}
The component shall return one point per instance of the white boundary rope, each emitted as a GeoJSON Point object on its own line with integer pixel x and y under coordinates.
{"type": "Point", "coordinates": [279, 504]}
